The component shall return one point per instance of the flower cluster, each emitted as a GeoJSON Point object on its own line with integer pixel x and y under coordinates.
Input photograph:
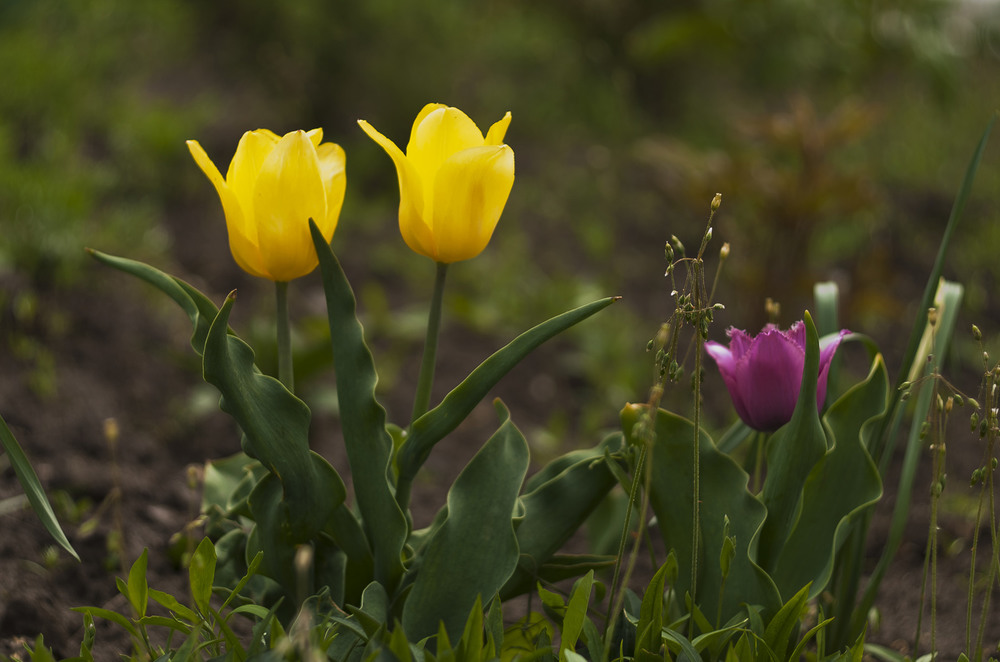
{"type": "Point", "coordinates": [453, 186]}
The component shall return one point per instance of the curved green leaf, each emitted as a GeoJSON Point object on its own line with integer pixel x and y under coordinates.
{"type": "Point", "coordinates": [475, 550]}
{"type": "Point", "coordinates": [562, 495]}
{"type": "Point", "coordinates": [33, 488]}
{"type": "Point", "coordinates": [368, 444]}
{"type": "Point", "coordinates": [201, 575]}
{"type": "Point", "coordinates": [723, 493]}
{"type": "Point", "coordinates": [276, 426]}
{"type": "Point", "coordinates": [199, 308]}
{"type": "Point", "coordinates": [838, 489]}
{"type": "Point", "coordinates": [792, 452]}
{"type": "Point", "coordinates": [456, 406]}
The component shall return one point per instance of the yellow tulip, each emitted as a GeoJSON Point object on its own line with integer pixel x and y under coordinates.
{"type": "Point", "coordinates": [453, 183]}
{"type": "Point", "coordinates": [273, 187]}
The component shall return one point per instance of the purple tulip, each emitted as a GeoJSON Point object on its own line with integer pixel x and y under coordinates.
{"type": "Point", "coordinates": [764, 373]}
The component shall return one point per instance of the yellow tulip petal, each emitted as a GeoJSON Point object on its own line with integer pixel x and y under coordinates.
{"type": "Point", "coordinates": [498, 131]}
{"type": "Point", "coordinates": [253, 149]}
{"type": "Point", "coordinates": [316, 136]}
{"type": "Point", "coordinates": [416, 233]}
{"type": "Point", "coordinates": [441, 133]}
{"type": "Point", "coordinates": [332, 165]}
{"type": "Point", "coordinates": [289, 191]}
{"type": "Point", "coordinates": [424, 112]}
{"type": "Point", "coordinates": [241, 244]}
{"type": "Point", "coordinates": [470, 193]}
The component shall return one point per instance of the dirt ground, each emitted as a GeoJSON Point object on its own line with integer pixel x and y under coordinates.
{"type": "Point", "coordinates": [115, 356]}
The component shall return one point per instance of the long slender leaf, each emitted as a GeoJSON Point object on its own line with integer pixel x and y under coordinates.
{"type": "Point", "coordinates": [199, 308]}
{"type": "Point", "coordinates": [456, 406]}
{"type": "Point", "coordinates": [368, 444]}
{"type": "Point", "coordinates": [475, 550]}
{"type": "Point", "coordinates": [276, 426]}
{"type": "Point", "coordinates": [947, 301]}
{"type": "Point", "coordinates": [576, 613]}
{"type": "Point", "coordinates": [890, 423]}
{"type": "Point", "coordinates": [33, 488]}
{"type": "Point", "coordinates": [839, 490]}
{"type": "Point", "coordinates": [792, 452]}
{"type": "Point", "coordinates": [555, 507]}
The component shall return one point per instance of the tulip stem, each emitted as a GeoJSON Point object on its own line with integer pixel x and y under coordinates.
{"type": "Point", "coordinates": [286, 370]}
{"type": "Point", "coordinates": [425, 381]}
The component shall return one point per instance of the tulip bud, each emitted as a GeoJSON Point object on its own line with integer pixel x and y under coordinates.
{"type": "Point", "coordinates": [274, 186]}
{"type": "Point", "coordinates": [764, 373]}
{"type": "Point", "coordinates": [453, 182]}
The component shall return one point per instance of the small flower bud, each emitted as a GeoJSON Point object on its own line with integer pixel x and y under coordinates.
{"type": "Point", "coordinates": [977, 335]}
{"type": "Point", "coordinates": [111, 430]}
{"type": "Point", "coordinates": [708, 234]}
{"type": "Point", "coordinates": [772, 308]}
{"type": "Point", "coordinates": [932, 316]}
{"type": "Point", "coordinates": [677, 244]}
{"type": "Point", "coordinates": [716, 202]}
{"type": "Point", "coordinates": [949, 404]}
{"type": "Point", "coordinates": [724, 251]}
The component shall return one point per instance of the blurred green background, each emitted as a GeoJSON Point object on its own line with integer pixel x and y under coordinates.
{"type": "Point", "coordinates": [837, 133]}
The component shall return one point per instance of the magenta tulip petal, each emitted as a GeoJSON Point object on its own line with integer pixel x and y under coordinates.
{"type": "Point", "coordinates": [764, 373]}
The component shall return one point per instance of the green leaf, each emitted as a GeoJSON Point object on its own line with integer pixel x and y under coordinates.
{"type": "Point", "coordinates": [470, 646]}
{"type": "Point", "coordinates": [347, 533]}
{"type": "Point", "coordinates": [165, 622]}
{"type": "Point", "coordinates": [399, 646]}
{"type": "Point", "coordinates": [199, 308]}
{"type": "Point", "coordinates": [40, 653]}
{"type": "Point", "coordinates": [681, 646]}
{"type": "Point", "coordinates": [172, 604]}
{"type": "Point", "coordinates": [947, 300]}
{"type": "Point", "coordinates": [792, 452]}
{"type": "Point", "coordinates": [807, 637]}
{"type": "Point", "coordinates": [33, 488]}
{"type": "Point", "coordinates": [562, 496]}
{"type": "Point", "coordinates": [274, 537]}
{"type": "Point", "coordinates": [245, 579]}
{"type": "Point", "coordinates": [368, 443]}
{"type": "Point", "coordinates": [224, 477]}
{"type": "Point", "coordinates": [649, 636]}
{"type": "Point", "coordinates": [430, 428]}
{"type": "Point", "coordinates": [494, 628]}
{"type": "Point", "coordinates": [137, 588]}
{"type": "Point", "coordinates": [475, 550]}
{"type": "Point", "coordinates": [576, 613]}
{"type": "Point", "coordinates": [838, 490]}
{"type": "Point", "coordinates": [276, 427]}
{"type": "Point", "coordinates": [522, 639]}
{"type": "Point", "coordinates": [723, 492]}
{"type": "Point", "coordinates": [374, 609]}
{"type": "Point", "coordinates": [109, 615]}
{"type": "Point", "coordinates": [785, 622]}
{"type": "Point", "coordinates": [201, 575]}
